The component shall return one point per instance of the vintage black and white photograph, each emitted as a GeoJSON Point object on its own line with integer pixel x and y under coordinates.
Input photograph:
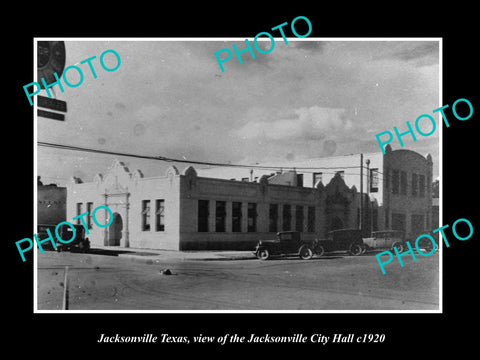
{"type": "Point", "coordinates": [234, 175]}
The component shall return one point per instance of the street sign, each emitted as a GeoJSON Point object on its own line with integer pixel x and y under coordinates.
{"type": "Point", "coordinates": [50, 115]}
{"type": "Point", "coordinates": [53, 104]}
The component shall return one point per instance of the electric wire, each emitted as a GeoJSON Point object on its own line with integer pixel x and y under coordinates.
{"type": "Point", "coordinates": [208, 163]}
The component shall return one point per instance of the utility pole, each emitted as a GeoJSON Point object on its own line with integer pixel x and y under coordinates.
{"type": "Point", "coordinates": [65, 290]}
{"type": "Point", "coordinates": [369, 184]}
{"type": "Point", "coordinates": [360, 222]}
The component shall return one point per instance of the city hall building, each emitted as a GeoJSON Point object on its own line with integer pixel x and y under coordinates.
{"type": "Point", "coordinates": [231, 208]}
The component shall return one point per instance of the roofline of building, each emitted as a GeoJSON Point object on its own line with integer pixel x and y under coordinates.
{"type": "Point", "coordinates": [424, 157]}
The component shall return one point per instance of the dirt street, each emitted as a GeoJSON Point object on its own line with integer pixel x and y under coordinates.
{"type": "Point", "coordinates": [340, 282]}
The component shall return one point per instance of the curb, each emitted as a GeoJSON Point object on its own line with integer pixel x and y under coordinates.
{"type": "Point", "coordinates": [174, 256]}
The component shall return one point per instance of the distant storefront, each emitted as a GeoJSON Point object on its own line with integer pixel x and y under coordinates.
{"type": "Point", "coordinates": [51, 204]}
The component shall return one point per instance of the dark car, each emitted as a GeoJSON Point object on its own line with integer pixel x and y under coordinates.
{"type": "Point", "coordinates": [386, 239]}
{"type": "Point", "coordinates": [341, 240]}
{"type": "Point", "coordinates": [43, 234]}
{"type": "Point", "coordinates": [286, 243]}
{"type": "Point", "coordinates": [80, 242]}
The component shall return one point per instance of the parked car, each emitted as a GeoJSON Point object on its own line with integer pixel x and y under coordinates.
{"type": "Point", "coordinates": [341, 240]}
{"type": "Point", "coordinates": [80, 243]}
{"type": "Point", "coordinates": [386, 239]}
{"type": "Point", "coordinates": [43, 234]}
{"type": "Point", "coordinates": [286, 243]}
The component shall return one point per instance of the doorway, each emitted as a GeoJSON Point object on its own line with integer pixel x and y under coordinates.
{"type": "Point", "coordinates": [115, 230]}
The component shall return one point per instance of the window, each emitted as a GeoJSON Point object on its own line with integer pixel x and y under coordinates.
{"type": "Point", "coordinates": [220, 215]}
{"type": "Point", "coordinates": [421, 185]}
{"type": "Point", "coordinates": [316, 178]}
{"type": "Point", "coordinates": [146, 215]}
{"type": "Point", "coordinates": [245, 179]}
{"type": "Point", "coordinates": [79, 212]}
{"type": "Point", "coordinates": [373, 180]}
{"type": "Point", "coordinates": [299, 218]}
{"type": "Point", "coordinates": [300, 180]}
{"type": "Point", "coordinates": [395, 181]}
{"type": "Point", "coordinates": [311, 219]}
{"type": "Point", "coordinates": [160, 215]}
{"type": "Point", "coordinates": [287, 218]}
{"type": "Point", "coordinates": [89, 217]}
{"type": "Point", "coordinates": [236, 216]}
{"type": "Point", "coordinates": [341, 173]}
{"type": "Point", "coordinates": [403, 183]}
{"type": "Point", "coordinates": [414, 184]}
{"type": "Point", "coordinates": [252, 217]}
{"type": "Point", "coordinates": [273, 218]}
{"type": "Point", "coordinates": [203, 215]}
{"type": "Point", "coordinates": [399, 222]}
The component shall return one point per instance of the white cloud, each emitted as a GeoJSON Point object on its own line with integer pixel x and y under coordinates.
{"type": "Point", "coordinates": [170, 98]}
{"type": "Point", "coordinates": [305, 122]}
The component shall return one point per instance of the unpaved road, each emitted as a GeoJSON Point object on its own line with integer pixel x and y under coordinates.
{"type": "Point", "coordinates": [99, 282]}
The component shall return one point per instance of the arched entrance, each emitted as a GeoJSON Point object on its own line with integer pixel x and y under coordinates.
{"type": "Point", "coordinates": [115, 230]}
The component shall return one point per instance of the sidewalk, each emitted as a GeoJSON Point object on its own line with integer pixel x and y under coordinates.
{"type": "Point", "coordinates": [154, 255]}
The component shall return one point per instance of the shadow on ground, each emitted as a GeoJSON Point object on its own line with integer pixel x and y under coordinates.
{"type": "Point", "coordinates": [114, 252]}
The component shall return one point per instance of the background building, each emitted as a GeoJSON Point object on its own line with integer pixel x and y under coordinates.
{"type": "Point", "coordinates": [407, 195]}
{"type": "Point", "coordinates": [51, 203]}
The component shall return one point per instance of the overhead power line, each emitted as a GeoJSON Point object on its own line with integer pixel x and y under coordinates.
{"type": "Point", "coordinates": [168, 159]}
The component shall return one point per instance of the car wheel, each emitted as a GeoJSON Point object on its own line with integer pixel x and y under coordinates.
{"type": "Point", "coordinates": [305, 252]}
{"type": "Point", "coordinates": [400, 247]}
{"type": "Point", "coordinates": [263, 254]}
{"type": "Point", "coordinates": [320, 250]}
{"type": "Point", "coordinates": [356, 249]}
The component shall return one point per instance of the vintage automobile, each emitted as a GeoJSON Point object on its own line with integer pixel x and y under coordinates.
{"type": "Point", "coordinates": [80, 243]}
{"type": "Point", "coordinates": [43, 234]}
{"type": "Point", "coordinates": [341, 240]}
{"type": "Point", "coordinates": [386, 239]}
{"type": "Point", "coordinates": [286, 243]}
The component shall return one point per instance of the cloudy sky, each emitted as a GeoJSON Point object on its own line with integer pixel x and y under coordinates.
{"type": "Point", "coordinates": [307, 99]}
